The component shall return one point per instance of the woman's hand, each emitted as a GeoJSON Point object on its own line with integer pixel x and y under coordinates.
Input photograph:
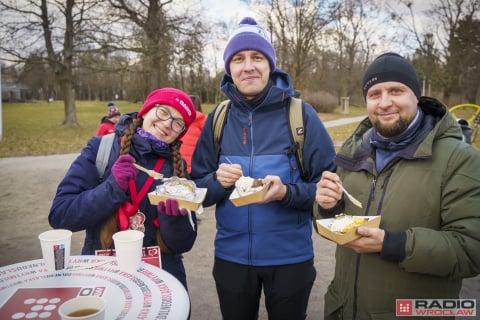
{"type": "Point", "coordinates": [123, 171]}
{"type": "Point", "coordinates": [170, 208]}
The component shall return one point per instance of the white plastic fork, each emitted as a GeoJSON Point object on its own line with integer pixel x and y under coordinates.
{"type": "Point", "coordinates": [352, 198]}
{"type": "Point", "coordinates": [152, 173]}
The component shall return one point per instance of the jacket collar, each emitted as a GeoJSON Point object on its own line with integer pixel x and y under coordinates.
{"type": "Point", "coordinates": [357, 153]}
{"type": "Point", "coordinates": [280, 91]}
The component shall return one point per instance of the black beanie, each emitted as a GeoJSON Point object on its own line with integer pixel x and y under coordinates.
{"type": "Point", "coordinates": [391, 67]}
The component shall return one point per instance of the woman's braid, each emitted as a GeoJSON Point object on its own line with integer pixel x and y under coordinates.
{"type": "Point", "coordinates": [128, 135]}
{"type": "Point", "coordinates": [177, 160]}
{"type": "Point", "coordinates": [110, 226]}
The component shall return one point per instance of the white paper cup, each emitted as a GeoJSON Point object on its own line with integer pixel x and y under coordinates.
{"type": "Point", "coordinates": [83, 308]}
{"type": "Point", "coordinates": [56, 248]}
{"type": "Point", "coordinates": [128, 249]}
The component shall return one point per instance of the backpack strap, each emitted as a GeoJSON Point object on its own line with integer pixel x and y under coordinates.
{"type": "Point", "coordinates": [297, 130]}
{"type": "Point", "coordinates": [295, 120]}
{"type": "Point", "coordinates": [103, 154]}
{"type": "Point", "coordinates": [218, 123]}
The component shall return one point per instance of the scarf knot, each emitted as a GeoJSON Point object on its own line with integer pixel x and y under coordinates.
{"type": "Point", "coordinates": [387, 148]}
{"type": "Point", "coordinates": [147, 135]}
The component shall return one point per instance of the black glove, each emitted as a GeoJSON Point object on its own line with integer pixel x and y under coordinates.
{"type": "Point", "coordinates": [177, 226]}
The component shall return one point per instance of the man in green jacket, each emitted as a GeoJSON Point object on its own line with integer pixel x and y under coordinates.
{"type": "Point", "coordinates": [407, 163]}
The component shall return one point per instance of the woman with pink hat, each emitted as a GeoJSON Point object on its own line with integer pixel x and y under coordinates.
{"type": "Point", "coordinates": [118, 201]}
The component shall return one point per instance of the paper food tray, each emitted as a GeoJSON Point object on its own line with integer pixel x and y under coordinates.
{"type": "Point", "coordinates": [254, 197]}
{"type": "Point", "coordinates": [193, 204]}
{"type": "Point", "coordinates": [323, 227]}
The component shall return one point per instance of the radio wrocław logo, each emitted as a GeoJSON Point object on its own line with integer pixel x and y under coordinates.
{"type": "Point", "coordinates": [436, 307]}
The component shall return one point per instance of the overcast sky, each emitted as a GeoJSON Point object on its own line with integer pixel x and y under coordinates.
{"type": "Point", "coordinates": [226, 10]}
{"type": "Point", "coordinates": [232, 11]}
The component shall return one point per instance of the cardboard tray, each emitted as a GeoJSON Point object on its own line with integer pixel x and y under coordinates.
{"type": "Point", "coordinates": [251, 198]}
{"type": "Point", "coordinates": [192, 205]}
{"type": "Point", "coordinates": [342, 238]}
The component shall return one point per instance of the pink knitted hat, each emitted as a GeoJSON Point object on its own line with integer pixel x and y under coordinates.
{"type": "Point", "coordinates": [174, 98]}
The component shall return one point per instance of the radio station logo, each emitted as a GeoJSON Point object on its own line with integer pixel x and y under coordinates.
{"type": "Point", "coordinates": [436, 307]}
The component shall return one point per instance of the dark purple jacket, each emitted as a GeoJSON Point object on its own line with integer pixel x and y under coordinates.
{"type": "Point", "coordinates": [82, 202]}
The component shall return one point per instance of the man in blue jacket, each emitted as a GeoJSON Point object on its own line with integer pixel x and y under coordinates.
{"type": "Point", "coordinates": [265, 245]}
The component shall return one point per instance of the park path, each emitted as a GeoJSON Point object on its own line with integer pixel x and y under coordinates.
{"type": "Point", "coordinates": [343, 121]}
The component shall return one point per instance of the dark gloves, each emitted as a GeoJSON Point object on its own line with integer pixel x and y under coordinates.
{"type": "Point", "coordinates": [177, 226]}
{"type": "Point", "coordinates": [123, 171]}
{"type": "Point", "coordinates": [171, 208]}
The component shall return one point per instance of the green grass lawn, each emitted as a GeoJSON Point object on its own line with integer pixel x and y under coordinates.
{"type": "Point", "coordinates": [34, 128]}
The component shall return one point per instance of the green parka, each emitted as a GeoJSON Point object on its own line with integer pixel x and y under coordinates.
{"type": "Point", "coordinates": [431, 191]}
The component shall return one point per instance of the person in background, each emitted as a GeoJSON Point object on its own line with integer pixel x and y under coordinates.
{"type": "Point", "coordinates": [407, 163]}
{"type": "Point", "coordinates": [189, 140]}
{"type": "Point", "coordinates": [107, 123]}
{"type": "Point", "coordinates": [266, 245]}
{"type": "Point", "coordinates": [150, 138]}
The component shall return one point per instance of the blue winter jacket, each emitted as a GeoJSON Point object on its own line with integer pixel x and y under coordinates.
{"type": "Point", "coordinates": [259, 140]}
{"type": "Point", "coordinates": [82, 202]}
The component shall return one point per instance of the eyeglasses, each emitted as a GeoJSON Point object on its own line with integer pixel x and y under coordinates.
{"type": "Point", "coordinates": [162, 113]}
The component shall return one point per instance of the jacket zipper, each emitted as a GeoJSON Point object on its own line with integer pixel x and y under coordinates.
{"type": "Point", "coordinates": [250, 222]}
{"type": "Point", "coordinates": [384, 190]}
{"type": "Point", "coordinates": [357, 267]}
{"type": "Point", "coordinates": [379, 210]}
{"type": "Point", "coordinates": [371, 195]}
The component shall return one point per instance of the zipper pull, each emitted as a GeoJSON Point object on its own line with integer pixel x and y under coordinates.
{"type": "Point", "coordinates": [372, 188]}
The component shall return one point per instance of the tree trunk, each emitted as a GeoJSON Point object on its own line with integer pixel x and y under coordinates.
{"type": "Point", "coordinates": [69, 104]}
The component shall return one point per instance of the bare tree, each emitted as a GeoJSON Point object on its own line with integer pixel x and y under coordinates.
{"type": "Point", "coordinates": [160, 37]}
{"type": "Point", "coordinates": [296, 28]}
{"type": "Point", "coordinates": [457, 18]}
{"type": "Point", "coordinates": [443, 54]}
{"type": "Point", "coordinates": [39, 78]}
{"type": "Point", "coordinates": [464, 58]}
{"type": "Point", "coordinates": [352, 32]}
{"type": "Point", "coordinates": [54, 27]}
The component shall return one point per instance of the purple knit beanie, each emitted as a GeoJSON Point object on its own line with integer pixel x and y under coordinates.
{"type": "Point", "coordinates": [249, 36]}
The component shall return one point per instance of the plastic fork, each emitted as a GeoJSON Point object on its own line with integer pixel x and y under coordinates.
{"type": "Point", "coordinates": [350, 197]}
{"type": "Point", "coordinates": [152, 173]}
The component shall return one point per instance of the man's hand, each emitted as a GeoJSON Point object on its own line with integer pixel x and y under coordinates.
{"type": "Point", "coordinates": [276, 189]}
{"type": "Point", "coordinates": [371, 240]}
{"type": "Point", "coordinates": [328, 192]}
{"type": "Point", "coordinates": [228, 174]}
